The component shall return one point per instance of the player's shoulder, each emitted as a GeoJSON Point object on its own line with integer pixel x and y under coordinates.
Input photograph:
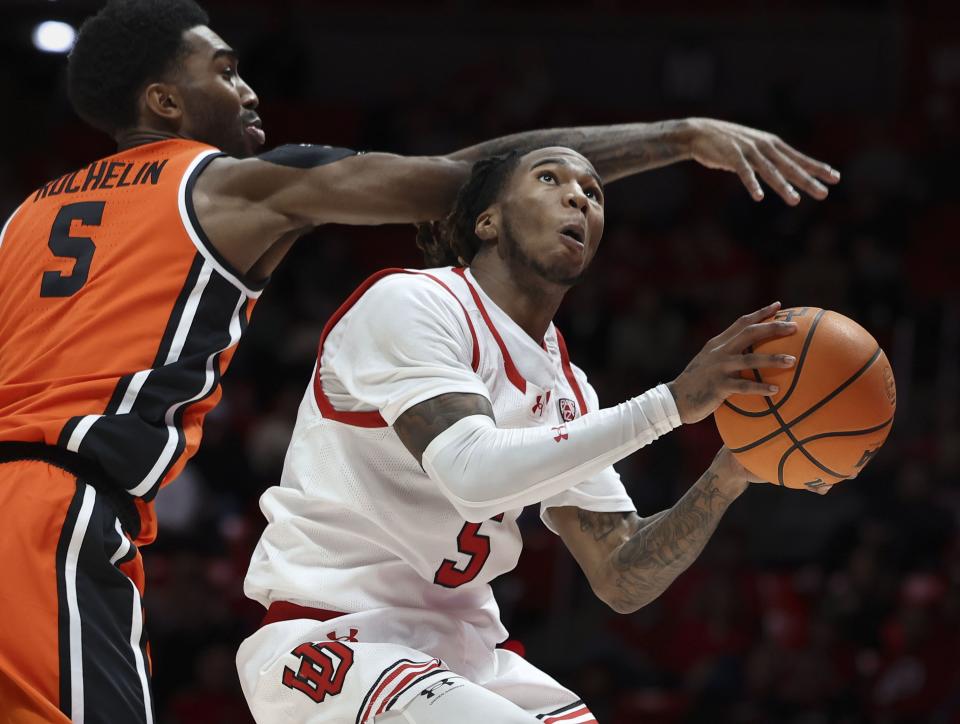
{"type": "Point", "coordinates": [399, 297]}
{"type": "Point", "coordinates": [412, 286]}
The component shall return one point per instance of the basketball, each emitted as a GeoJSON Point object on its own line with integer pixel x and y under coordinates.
{"type": "Point", "coordinates": [833, 410]}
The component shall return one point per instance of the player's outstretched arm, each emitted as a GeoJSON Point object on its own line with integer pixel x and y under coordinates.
{"type": "Point", "coordinates": [629, 560]}
{"type": "Point", "coordinates": [625, 149]}
{"type": "Point", "coordinates": [247, 205]}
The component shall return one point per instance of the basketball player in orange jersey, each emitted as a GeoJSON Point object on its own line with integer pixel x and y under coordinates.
{"type": "Point", "coordinates": [125, 287]}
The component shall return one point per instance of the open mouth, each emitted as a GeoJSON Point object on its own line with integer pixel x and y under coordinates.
{"type": "Point", "coordinates": [573, 232]}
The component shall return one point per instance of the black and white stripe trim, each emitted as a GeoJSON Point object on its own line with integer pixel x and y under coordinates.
{"type": "Point", "coordinates": [562, 709]}
{"type": "Point", "coordinates": [196, 233]}
{"type": "Point", "coordinates": [101, 614]}
{"type": "Point", "coordinates": [71, 648]}
{"type": "Point", "coordinates": [140, 436]}
{"type": "Point", "coordinates": [176, 440]}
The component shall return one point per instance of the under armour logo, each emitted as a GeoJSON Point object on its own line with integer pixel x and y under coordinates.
{"type": "Point", "coordinates": [431, 691]}
{"type": "Point", "coordinates": [352, 636]}
{"type": "Point", "coordinates": [537, 408]}
{"type": "Point", "coordinates": [561, 433]}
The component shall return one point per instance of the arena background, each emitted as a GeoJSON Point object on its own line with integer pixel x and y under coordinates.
{"type": "Point", "coordinates": [801, 609]}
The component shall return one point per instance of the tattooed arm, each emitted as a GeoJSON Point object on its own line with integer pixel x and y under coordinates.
{"type": "Point", "coordinates": [417, 427]}
{"type": "Point", "coordinates": [628, 148]}
{"type": "Point", "coordinates": [629, 560]}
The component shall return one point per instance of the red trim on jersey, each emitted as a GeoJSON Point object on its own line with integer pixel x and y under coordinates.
{"type": "Point", "coordinates": [583, 710]}
{"type": "Point", "coordinates": [513, 374]}
{"type": "Point", "coordinates": [372, 418]}
{"type": "Point", "coordinates": [568, 372]}
{"type": "Point", "coordinates": [421, 667]}
{"type": "Point", "coordinates": [286, 611]}
{"type": "Point", "coordinates": [414, 673]}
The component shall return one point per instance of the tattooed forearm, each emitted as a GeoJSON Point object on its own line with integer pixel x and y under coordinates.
{"type": "Point", "coordinates": [616, 151]}
{"type": "Point", "coordinates": [421, 423]}
{"type": "Point", "coordinates": [601, 525]}
{"type": "Point", "coordinates": [665, 546]}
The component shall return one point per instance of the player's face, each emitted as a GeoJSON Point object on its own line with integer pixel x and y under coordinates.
{"type": "Point", "coordinates": [552, 214]}
{"type": "Point", "coordinates": [219, 107]}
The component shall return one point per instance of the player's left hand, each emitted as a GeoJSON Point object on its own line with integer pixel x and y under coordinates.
{"type": "Point", "coordinates": [748, 152]}
{"type": "Point", "coordinates": [727, 461]}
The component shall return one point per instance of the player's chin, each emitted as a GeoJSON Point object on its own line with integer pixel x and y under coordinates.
{"type": "Point", "coordinates": [565, 274]}
{"type": "Point", "coordinates": [251, 147]}
{"type": "Point", "coordinates": [241, 145]}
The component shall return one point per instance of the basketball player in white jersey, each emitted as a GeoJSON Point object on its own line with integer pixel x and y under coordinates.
{"type": "Point", "coordinates": [442, 403]}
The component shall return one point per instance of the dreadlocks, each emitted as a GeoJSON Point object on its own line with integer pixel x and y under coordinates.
{"type": "Point", "coordinates": [452, 241]}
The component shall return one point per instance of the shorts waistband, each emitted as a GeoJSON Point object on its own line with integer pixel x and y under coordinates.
{"type": "Point", "coordinates": [83, 468]}
{"type": "Point", "coordinates": [286, 611]}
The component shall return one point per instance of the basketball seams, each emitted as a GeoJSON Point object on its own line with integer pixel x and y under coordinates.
{"type": "Point", "coordinates": [784, 427]}
{"type": "Point", "coordinates": [813, 408]}
{"type": "Point", "coordinates": [823, 435]}
{"type": "Point", "coordinates": [797, 445]}
{"type": "Point", "coordinates": [796, 375]}
{"type": "Point", "coordinates": [855, 402]}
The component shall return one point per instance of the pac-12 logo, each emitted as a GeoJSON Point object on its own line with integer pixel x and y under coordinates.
{"type": "Point", "coordinates": [323, 667]}
{"type": "Point", "coordinates": [568, 409]}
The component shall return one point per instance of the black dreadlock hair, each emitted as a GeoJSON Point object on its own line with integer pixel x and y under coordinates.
{"type": "Point", "coordinates": [452, 241]}
{"type": "Point", "coordinates": [121, 49]}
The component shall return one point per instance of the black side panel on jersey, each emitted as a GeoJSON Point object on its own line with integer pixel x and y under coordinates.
{"type": "Point", "coordinates": [113, 639]}
{"type": "Point", "coordinates": [305, 155]}
{"type": "Point", "coordinates": [148, 433]}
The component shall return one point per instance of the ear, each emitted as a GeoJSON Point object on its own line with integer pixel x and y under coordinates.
{"type": "Point", "coordinates": [163, 101]}
{"type": "Point", "coordinates": [487, 227]}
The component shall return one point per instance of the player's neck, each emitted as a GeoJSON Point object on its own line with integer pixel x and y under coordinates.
{"type": "Point", "coordinates": [528, 299]}
{"type": "Point", "coordinates": [139, 136]}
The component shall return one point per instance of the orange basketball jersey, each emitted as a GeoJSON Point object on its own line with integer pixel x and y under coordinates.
{"type": "Point", "coordinates": [117, 317]}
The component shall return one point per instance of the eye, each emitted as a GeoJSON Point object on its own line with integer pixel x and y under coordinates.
{"type": "Point", "coordinates": [548, 175]}
{"type": "Point", "coordinates": [593, 193]}
{"type": "Point", "coordinates": [228, 73]}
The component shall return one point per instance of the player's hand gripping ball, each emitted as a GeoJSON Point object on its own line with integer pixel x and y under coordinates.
{"type": "Point", "coordinates": [833, 410]}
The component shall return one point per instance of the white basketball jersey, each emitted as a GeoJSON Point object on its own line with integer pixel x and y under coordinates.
{"type": "Point", "coordinates": [355, 523]}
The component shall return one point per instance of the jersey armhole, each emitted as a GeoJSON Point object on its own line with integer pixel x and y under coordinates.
{"type": "Point", "coordinates": [191, 223]}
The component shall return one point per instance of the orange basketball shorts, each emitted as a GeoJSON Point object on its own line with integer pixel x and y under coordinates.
{"type": "Point", "coordinates": [72, 641]}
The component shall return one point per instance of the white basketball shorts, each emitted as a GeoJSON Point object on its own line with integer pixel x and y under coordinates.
{"type": "Point", "coordinates": [395, 665]}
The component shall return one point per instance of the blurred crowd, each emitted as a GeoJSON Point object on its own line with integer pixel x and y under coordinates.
{"type": "Point", "coordinates": [802, 609]}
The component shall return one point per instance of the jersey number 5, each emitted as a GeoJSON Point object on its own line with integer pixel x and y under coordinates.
{"type": "Point", "coordinates": [477, 546]}
{"type": "Point", "coordinates": [78, 248]}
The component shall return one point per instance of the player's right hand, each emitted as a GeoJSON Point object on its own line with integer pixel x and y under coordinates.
{"type": "Point", "coordinates": [714, 374]}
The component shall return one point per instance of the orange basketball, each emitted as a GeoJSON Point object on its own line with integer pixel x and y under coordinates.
{"type": "Point", "coordinates": [832, 413]}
